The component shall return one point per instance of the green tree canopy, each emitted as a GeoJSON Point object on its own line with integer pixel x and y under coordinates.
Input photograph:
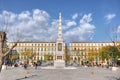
{"type": "Point", "coordinates": [28, 53]}
{"type": "Point", "coordinates": [48, 57]}
{"type": "Point", "coordinates": [108, 52]}
{"type": "Point", "coordinates": [92, 56]}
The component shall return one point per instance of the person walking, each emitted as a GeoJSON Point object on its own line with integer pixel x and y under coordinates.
{"type": "Point", "coordinates": [36, 65]}
{"type": "Point", "coordinates": [25, 67]}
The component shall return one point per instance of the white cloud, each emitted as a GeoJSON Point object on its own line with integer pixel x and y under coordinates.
{"type": "Point", "coordinates": [75, 16]}
{"type": "Point", "coordinates": [37, 25]}
{"type": "Point", "coordinates": [86, 18]}
{"type": "Point", "coordinates": [118, 29]}
{"type": "Point", "coordinates": [24, 16]}
{"type": "Point", "coordinates": [110, 16]}
{"type": "Point", "coordinates": [71, 23]}
{"type": "Point", "coordinates": [83, 31]}
{"type": "Point", "coordinates": [33, 25]}
{"type": "Point", "coordinates": [40, 15]}
{"type": "Point", "coordinates": [68, 24]}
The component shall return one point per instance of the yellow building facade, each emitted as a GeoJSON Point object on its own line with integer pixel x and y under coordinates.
{"type": "Point", "coordinates": [44, 51]}
{"type": "Point", "coordinates": [80, 51]}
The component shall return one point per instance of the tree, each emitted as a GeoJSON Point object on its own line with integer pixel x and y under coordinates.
{"type": "Point", "coordinates": [109, 52]}
{"type": "Point", "coordinates": [91, 56]}
{"type": "Point", "coordinates": [2, 43]}
{"type": "Point", "coordinates": [104, 53]}
{"type": "Point", "coordinates": [114, 33]}
{"type": "Point", "coordinates": [67, 54]}
{"type": "Point", "coordinates": [67, 57]}
{"type": "Point", "coordinates": [28, 54]}
{"type": "Point", "coordinates": [14, 57]}
{"type": "Point", "coordinates": [48, 57]}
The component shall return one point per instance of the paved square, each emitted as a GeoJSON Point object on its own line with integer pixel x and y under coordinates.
{"type": "Point", "coordinates": [80, 73]}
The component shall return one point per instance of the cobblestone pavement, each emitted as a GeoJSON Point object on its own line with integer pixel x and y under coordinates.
{"type": "Point", "coordinates": [81, 73]}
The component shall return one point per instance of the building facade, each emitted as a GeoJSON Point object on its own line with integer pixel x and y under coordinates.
{"type": "Point", "coordinates": [46, 51]}
{"type": "Point", "coordinates": [81, 51]}
{"type": "Point", "coordinates": [43, 51]}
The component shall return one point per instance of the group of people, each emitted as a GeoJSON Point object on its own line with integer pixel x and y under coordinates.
{"type": "Point", "coordinates": [26, 65]}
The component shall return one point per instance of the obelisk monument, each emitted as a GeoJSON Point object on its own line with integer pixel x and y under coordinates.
{"type": "Point", "coordinates": [59, 61]}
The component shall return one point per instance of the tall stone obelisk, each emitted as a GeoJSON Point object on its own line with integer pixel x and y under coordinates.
{"type": "Point", "coordinates": [59, 61]}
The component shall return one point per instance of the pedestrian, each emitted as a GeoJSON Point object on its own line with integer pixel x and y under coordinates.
{"type": "Point", "coordinates": [36, 65]}
{"type": "Point", "coordinates": [25, 67]}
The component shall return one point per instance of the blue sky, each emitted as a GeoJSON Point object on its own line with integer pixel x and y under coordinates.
{"type": "Point", "coordinates": [83, 20]}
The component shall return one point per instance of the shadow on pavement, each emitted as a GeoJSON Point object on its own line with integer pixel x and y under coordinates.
{"type": "Point", "coordinates": [118, 78]}
{"type": "Point", "coordinates": [26, 77]}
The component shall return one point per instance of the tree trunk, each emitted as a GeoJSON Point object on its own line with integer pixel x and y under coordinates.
{"type": "Point", "coordinates": [0, 67]}
{"type": "Point", "coordinates": [1, 62]}
{"type": "Point", "coordinates": [2, 43]}
{"type": "Point", "coordinates": [1, 56]}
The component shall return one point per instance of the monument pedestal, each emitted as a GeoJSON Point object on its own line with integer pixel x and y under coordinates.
{"type": "Point", "coordinates": [59, 63]}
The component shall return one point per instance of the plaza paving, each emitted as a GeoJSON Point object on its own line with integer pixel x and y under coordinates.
{"type": "Point", "coordinates": [81, 73]}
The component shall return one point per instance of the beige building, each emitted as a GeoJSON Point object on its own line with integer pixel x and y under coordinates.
{"type": "Point", "coordinates": [80, 51]}
{"type": "Point", "coordinates": [43, 50]}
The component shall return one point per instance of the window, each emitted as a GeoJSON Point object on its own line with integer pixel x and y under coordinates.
{"type": "Point", "coordinates": [76, 44]}
{"type": "Point", "coordinates": [52, 45]}
{"type": "Point", "coordinates": [41, 49]}
{"type": "Point", "coordinates": [101, 44]}
{"type": "Point", "coordinates": [74, 48]}
{"type": "Point", "coordinates": [45, 49]}
{"type": "Point", "coordinates": [48, 49]}
{"type": "Point", "coordinates": [79, 44]}
{"type": "Point", "coordinates": [86, 44]}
